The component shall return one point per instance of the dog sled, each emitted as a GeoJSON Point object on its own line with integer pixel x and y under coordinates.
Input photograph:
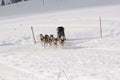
{"type": "Point", "coordinates": [50, 40]}
{"type": "Point", "coordinates": [60, 32]}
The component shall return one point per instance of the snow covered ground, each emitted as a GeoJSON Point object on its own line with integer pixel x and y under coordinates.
{"type": "Point", "coordinates": [85, 55]}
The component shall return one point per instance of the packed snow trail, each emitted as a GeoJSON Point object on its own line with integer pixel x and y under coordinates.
{"type": "Point", "coordinates": [9, 72]}
{"type": "Point", "coordinates": [55, 64]}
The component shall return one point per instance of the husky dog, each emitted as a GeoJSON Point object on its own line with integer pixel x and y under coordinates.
{"type": "Point", "coordinates": [55, 42]}
{"type": "Point", "coordinates": [51, 38]}
{"type": "Point", "coordinates": [42, 39]}
{"type": "Point", "coordinates": [46, 40]}
{"type": "Point", "coordinates": [61, 41]}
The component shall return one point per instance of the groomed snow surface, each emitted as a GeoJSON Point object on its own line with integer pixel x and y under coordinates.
{"type": "Point", "coordinates": [85, 55]}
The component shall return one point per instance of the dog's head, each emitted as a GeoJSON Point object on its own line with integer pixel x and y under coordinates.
{"type": "Point", "coordinates": [51, 36]}
{"type": "Point", "coordinates": [41, 35]}
{"type": "Point", "coordinates": [55, 40]}
{"type": "Point", "coordinates": [61, 37]}
{"type": "Point", "coordinates": [46, 36]}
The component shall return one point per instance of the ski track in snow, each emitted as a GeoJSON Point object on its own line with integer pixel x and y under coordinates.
{"type": "Point", "coordinates": [13, 73]}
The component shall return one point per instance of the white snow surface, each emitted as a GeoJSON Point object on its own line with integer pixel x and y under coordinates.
{"type": "Point", "coordinates": [85, 55]}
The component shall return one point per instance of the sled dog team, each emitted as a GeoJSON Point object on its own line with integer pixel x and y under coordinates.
{"type": "Point", "coordinates": [51, 41]}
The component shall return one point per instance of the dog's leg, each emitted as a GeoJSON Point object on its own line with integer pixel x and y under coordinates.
{"type": "Point", "coordinates": [41, 44]}
{"type": "Point", "coordinates": [44, 45]}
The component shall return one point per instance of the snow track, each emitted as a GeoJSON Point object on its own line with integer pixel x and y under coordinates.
{"type": "Point", "coordinates": [9, 72]}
